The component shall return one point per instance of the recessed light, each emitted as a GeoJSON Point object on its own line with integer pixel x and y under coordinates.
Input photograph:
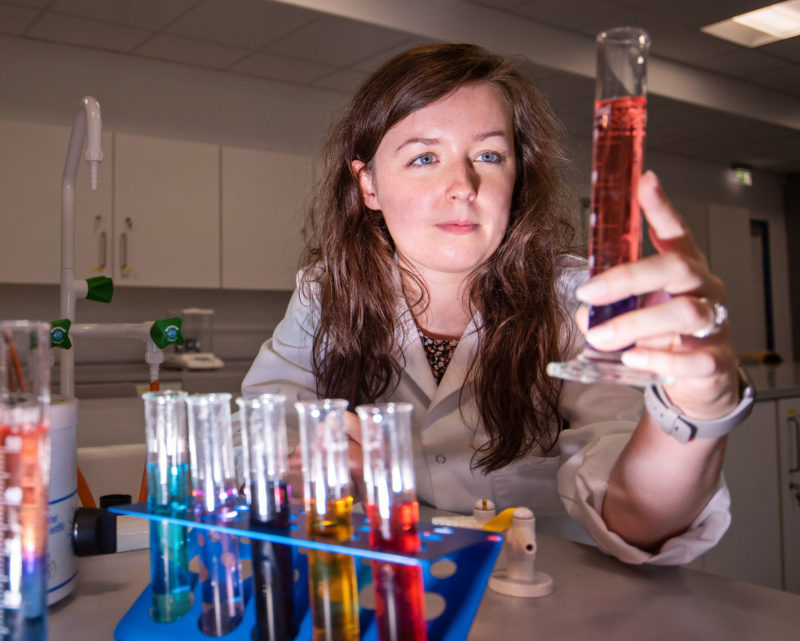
{"type": "Point", "coordinates": [760, 27]}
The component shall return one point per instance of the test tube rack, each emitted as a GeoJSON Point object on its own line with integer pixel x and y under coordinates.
{"type": "Point", "coordinates": [471, 555]}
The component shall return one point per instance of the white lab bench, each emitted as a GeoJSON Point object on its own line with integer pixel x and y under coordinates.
{"type": "Point", "coordinates": [596, 597]}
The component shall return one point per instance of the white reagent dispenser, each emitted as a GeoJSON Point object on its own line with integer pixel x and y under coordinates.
{"type": "Point", "coordinates": [520, 577]}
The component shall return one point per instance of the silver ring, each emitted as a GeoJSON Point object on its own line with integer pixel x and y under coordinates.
{"type": "Point", "coordinates": [720, 316]}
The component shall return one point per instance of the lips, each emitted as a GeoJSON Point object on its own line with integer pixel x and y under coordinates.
{"type": "Point", "coordinates": [457, 226]}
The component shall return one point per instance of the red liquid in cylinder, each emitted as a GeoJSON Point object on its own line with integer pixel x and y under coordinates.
{"type": "Point", "coordinates": [399, 589]}
{"type": "Point", "coordinates": [616, 235]}
{"type": "Point", "coordinates": [24, 453]}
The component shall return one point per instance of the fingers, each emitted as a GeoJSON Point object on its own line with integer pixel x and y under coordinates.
{"type": "Point", "coordinates": [665, 223]}
{"type": "Point", "coordinates": [673, 273]}
{"type": "Point", "coordinates": [678, 364]}
{"type": "Point", "coordinates": [681, 315]}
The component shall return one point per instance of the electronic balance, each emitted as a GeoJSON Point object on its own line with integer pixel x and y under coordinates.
{"type": "Point", "coordinates": [197, 351]}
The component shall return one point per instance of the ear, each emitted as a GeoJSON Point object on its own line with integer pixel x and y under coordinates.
{"type": "Point", "coordinates": [365, 184]}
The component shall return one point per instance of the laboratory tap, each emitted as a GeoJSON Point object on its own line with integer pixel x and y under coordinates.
{"type": "Point", "coordinates": [87, 127]}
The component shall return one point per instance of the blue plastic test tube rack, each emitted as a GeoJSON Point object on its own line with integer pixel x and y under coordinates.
{"type": "Point", "coordinates": [472, 552]}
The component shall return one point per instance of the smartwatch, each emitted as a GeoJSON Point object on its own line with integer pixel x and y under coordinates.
{"type": "Point", "coordinates": [684, 429]}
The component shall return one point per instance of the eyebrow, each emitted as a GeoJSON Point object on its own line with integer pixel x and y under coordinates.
{"type": "Point", "coordinates": [433, 141]}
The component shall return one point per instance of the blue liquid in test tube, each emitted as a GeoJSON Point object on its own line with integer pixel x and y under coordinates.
{"type": "Point", "coordinates": [215, 503]}
{"type": "Point", "coordinates": [168, 495]}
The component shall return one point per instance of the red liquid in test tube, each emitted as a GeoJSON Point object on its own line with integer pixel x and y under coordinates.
{"type": "Point", "coordinates": [399, 589]}
{"type": "Point", "coordinates": [393, 514]}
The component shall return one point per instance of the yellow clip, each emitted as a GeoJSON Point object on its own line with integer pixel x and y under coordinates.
{"type": "Point", "coordinates": [501, 522]}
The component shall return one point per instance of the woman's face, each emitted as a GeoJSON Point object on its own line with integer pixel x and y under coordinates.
{"type": "Point", "coordinates": [443, 178]}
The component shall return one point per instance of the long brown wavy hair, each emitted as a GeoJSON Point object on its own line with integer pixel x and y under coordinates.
{"type": "Point", "coordinates": [350, 255]}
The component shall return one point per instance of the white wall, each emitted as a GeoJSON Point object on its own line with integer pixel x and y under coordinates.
{"type": "Point", "coordinates": [44, 82]}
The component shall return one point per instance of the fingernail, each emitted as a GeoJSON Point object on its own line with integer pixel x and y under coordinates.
{"type": "Point", "coordinates": [591, 289]}
{"type": "Point", "coordinates": [636, 360]}
{"type": "Point", "coordinates": [600, 334]}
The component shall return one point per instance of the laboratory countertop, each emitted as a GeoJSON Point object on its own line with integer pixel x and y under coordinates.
{"type": "Point", "coordinates": [775, 381]}
{"type": "Point", "coordinates": [595, 597]}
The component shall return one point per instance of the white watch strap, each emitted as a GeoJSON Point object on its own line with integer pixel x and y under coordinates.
{"type": "Point", "coordinates": [685, 429]}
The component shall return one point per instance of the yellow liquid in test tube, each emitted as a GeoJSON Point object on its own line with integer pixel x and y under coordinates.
{"type": "Point", "coordinates": [333, 589]}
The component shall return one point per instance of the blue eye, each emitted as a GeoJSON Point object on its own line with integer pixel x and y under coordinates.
{"type": "Point", "coordinates": [490, 156]}
{"type": "Point", "coordinates": [424, 159]}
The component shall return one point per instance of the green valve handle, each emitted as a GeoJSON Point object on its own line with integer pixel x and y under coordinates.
{"type": "Point", "coordinates": [167, 332]}
{"type": "Point", "coordinates": [59, 333]}
{"type": "Point", "coordinates": [101, 289]}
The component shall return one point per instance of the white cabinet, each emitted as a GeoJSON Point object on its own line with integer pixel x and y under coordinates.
{"type": "Point", "coordinates": [750, 550]}
{"type": "Point", "coordinates": [32, 158]}
{"type": "Point", "coordinates": [762, 468]}
{"type": "Point", "coordinates": [264, 195]}
{"type": "Point", "coordinates": [789, 438]}
{"type": "Point", "coordinates": [166, 212]}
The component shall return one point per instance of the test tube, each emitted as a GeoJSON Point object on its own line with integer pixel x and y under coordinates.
{"type": "Point", "coordinates": [215, 496]}
{"type": "Point", "coordinates": [168, 495]}
{"type": "Point", "coordinates": [393, 512]}
{"type": "Point", "coordinates": [328, 503]}
{"type": "Point", "coordinates": [265, 464]}
{"type": "Point", "coordinates": [24, 478]}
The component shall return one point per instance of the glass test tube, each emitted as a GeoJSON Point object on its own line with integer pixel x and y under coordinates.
{"type": "Point", "coordinates": [215, 497]}
{"type": "Point", "coordinates": [620, 115]}
{"type": "Point", "coordinates": [393, 517]}
{"type": "Point", "coordinates": [265, 464]}
{"type": "Point", "coordinates": [328, 502]}
{"type": "Point", "coordinates": [168, 495]}
{"type": "Point", "coordinates": [24, 478]}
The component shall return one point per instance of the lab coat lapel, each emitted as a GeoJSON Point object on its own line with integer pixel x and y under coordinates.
{"type": "Point", "coordinates": [417, 367]}
{"type": "Point", "coordinates": [456, 373]}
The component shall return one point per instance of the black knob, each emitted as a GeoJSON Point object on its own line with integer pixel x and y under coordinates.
{"type": "Point", "coordinates": [94, 532]}
{"type": "Point", "coordinates": [110, 500]}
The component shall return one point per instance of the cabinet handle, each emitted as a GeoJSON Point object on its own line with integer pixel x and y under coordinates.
{"type": "Point", "coordinates": [123, 254]}
{"type": "Point", "coordinates": [795, 425]}
{"type": "Point", "coordinates": [101, 252]}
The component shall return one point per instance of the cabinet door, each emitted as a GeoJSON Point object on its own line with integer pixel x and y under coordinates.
{"type": "Point", "coordinates": [94, 227]}
{"type": "Point", "coordinates": [166, 212]}
{"type": "Point", "coordinates": [789, 436]}
{"type": "Point", "coordinates": [263, 198]}
{"type": "Point", "coordinates": [32, 157]}
{"type": "Point", "coordinates": [750, 550]}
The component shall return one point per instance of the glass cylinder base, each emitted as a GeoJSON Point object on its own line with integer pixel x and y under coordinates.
{"type": "Point", "coordinates": [591, 366]}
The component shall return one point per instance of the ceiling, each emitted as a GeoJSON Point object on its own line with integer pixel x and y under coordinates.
{"type": "Point", "coordinates": [320, 44]}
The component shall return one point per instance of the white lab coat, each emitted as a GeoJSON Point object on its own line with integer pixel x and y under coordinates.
{"type": "Point", "coordinates": [570, 480]}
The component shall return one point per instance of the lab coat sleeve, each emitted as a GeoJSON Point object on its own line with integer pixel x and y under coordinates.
{"type": "Point", "coordinates": [604, 416]}
{"type": "Point", "coordinates": [283, 363]}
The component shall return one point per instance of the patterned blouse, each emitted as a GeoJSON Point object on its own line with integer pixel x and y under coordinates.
{"type": "Point", "coordinates": [439, 351]}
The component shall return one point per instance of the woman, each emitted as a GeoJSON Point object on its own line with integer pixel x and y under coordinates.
{"type": "Point", "coordinates": [439, 272]}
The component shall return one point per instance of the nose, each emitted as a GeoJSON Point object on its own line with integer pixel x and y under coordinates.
{"type": "Point", "coordinates": [464, 182]}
